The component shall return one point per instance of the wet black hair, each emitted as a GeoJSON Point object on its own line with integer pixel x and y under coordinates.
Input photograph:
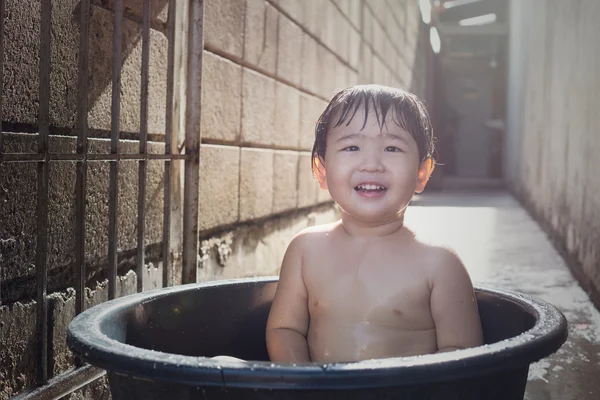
{"type": "Point", "coordinates": [408, 112]}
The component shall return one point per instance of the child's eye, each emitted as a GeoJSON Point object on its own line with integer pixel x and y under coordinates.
{"type": "Point", "coordinates": [351, 148]}
{"type": "Point", "coordinates": [392, 149]}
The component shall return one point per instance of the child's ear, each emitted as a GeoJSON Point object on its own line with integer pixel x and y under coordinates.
{"type": "Point", "coordinates": [319, 171]}
{"type": "Point", "coordinates": [425, 170]}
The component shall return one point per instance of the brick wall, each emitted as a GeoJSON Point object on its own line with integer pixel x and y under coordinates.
{"type": "Point", "coordinates": [268, 69]}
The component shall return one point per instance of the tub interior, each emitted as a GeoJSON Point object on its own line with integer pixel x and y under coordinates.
{"type": "Point", "coordinates": [231, 319]}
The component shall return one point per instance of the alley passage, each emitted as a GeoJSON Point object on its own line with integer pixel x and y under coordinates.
{"type": "Point", "coordinates": [502, 246]}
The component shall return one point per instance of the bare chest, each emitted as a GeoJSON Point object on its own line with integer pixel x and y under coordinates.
{"type": "Point", "coordinates": [378, 291]}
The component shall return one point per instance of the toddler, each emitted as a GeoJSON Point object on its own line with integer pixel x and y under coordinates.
{"type": "Point", "coordinates": [366, 287]}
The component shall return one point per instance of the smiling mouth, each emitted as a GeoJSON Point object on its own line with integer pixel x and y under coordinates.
{"type": "Point", "coordinates": [368, 188]}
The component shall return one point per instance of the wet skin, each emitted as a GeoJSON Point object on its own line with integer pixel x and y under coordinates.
{"type": "Point", "coordinates": [361, 305]}
{"type": "Point", "coordinates": [365, 287]}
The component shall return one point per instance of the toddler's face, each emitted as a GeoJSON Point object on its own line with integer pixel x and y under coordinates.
{"type": "Point", "coordinates": [371, 173]}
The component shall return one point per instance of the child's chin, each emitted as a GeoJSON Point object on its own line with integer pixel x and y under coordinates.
{"type": "Point", "coordinates": [374, 216]}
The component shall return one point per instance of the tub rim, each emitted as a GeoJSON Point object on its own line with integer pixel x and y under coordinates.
{"type": "Point", "coordinates": [89, 343]}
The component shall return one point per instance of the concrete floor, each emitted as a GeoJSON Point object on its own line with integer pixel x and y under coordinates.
{"type": "Point", "coordinates": [502, 246]}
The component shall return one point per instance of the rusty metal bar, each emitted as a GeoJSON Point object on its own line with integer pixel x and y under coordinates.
{"type": "Point", "coordinates": [63, 384]}
{"type": "Point", "coordinates": [143, 164]}
{"type": "Point", "coordinates": [113, 190]}
{"type": "Point", "coordinates": [192, 141]}
{"type": "Point", "coordinates": [135, 157]}
{"type": "Point", "coordinates": [2, 12]}
{"type": "Point", "coordinates": [2, 7]}
{"type": "Point", "coordinates": [35, 157]}
{"type": "Point", "coordinates": [82, 148]}
{"type": "Point", "coordinates": [41, 265]}
{"type": "Point", "coordinates": [167, 279]}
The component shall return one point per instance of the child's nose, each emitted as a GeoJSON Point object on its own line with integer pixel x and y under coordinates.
{"type": "Point", "coordinates": [371, 161]}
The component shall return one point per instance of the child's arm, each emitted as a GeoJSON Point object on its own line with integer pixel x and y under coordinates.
{"type": "Point", "coordinates": [287, 325]}
{"type": "Point", "coordinates": [453, 305]}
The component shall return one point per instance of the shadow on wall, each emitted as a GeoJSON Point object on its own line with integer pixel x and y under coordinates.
{"type": "Point", "coordinates": [101, 59]}
{"type": "Point", "coordinates": [21, 66]}
{"type": "Point", "coordinates": [20, 108]}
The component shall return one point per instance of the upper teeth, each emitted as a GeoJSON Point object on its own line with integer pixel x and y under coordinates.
{"type": "Point", "coordinates": [370, 187]}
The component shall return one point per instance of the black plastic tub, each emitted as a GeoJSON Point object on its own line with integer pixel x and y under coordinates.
{"type": "Point", "coordinates": [157, 344]}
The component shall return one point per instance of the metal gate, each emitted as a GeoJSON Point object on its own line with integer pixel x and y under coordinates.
{"type": "Point", "coordinates": [175, 224]}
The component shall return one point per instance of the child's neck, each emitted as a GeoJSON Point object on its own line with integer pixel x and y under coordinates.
{"type": "Point", "coordinates": [360, 229]}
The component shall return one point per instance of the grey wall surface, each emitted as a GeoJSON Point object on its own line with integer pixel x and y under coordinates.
{"type": "Point", "coordinates": [553, 138]}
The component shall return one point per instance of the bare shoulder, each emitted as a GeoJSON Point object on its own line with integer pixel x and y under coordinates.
{"type": "Point", "coordinates": [314, 234]}
{"type": "Point", "coordinates": [443, 264]}
{"type": "Point", "coordinates": [442, 256]}
{"type": "Point", "coordinates": [320, 229]}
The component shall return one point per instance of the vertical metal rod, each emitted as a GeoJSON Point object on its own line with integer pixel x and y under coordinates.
{"type": "Point", "coordinates": [192, 141]}
{"type": "Point", "coordinates": [2, 6]}
{"type": "Point", "coordinates": [113, 190]}
{"type": "Point", "coordinates": [2, 12]}
{"type": "Point", "coordinates": [82, 147]}
{"type": "Point", "coordinates": [143, 164]}
{"type": "Point", "coordinates": [166, 251]}
{"type": "Point", "coordinates": [41, 265]}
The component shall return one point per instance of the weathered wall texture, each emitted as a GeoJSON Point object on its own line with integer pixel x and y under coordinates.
{"type": "Point", "coordinates": [553, 138]}
{"type": "Point", "coordinates": [269, 68]}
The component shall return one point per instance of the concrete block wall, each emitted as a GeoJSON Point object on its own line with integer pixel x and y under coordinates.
{"type": "Point", "coordinates": [269, 67]}
{"type": "Point", "coordinates": [552, 143]}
